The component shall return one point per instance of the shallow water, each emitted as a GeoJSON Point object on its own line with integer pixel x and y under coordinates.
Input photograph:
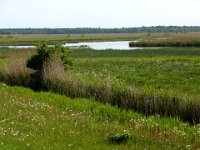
{"type": "Point", "coordinates": [30, 46]}
{"type": "Point", "coordinates": [115, 45]}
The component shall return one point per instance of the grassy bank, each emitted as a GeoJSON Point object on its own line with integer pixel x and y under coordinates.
{"type": "Point", "coordinates": [64, 38]}
{"type": "Point", "coordinates": [169, 40]}
{"type": "Point", "coordinates": [167, 84]}
{"type": "Point", "coordinates": [32, 120]}
{"type": "Point", "coordinates": [51, 39]}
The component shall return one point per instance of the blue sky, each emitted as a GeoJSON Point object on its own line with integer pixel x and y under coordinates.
{"type": "Point", "coordinates": [98, 13]}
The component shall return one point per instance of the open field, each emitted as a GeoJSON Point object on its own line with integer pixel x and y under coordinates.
{"type": "Point", "coordinates": [161, 84]}
{"type": "Point", "coordinates": [167, 84]}
{"type": "Point", "coordinates": [34, 39]}
{"type": "Point", "coordinates": [172, 70]}
{"type": "Point", "coordinates": [62, 38]}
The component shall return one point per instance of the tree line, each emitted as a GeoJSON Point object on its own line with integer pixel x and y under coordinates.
{"type": "Point", "coordinates": [153, 29]}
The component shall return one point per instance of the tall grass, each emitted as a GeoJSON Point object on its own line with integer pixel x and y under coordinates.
{"type": "Point", "coordinates": [128, 98]}
{"type": "Point", "coordinates": [51, 39]}
{"type": "Point", "coordinates": [53, 68]}
{"type": "Point", "coordinates": [165, 43]}
{"type": "Point", "coordinates": [102, 90]}
{"type": "Point", "coordinates": [43, 120]}
{"type": "Point", "coordinates": [16, 72]}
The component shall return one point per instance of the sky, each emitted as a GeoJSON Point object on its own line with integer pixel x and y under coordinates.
{"type": "Point", "coordinates": [98, 13]}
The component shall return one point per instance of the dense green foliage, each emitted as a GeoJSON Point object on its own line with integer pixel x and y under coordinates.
{"type": "Point", "coordinates": [45, 52]}
{"type": "Point", "coordinates": [119, 138]}
{"type": "Point", "coordinates": [153, 29]}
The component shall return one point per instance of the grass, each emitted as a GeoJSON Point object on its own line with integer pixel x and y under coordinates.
{"type": "Point", "coordinates": [166, 43]}
{"type": "Point", "coordinates": [151, 81]}
{"type": "Point", "coordinates": [51, 39]}
{"type": "Point", "coordinates": [169, 40]}
{"type": "Point", "coordinates": [171, 70]}
{"type": "Point", "coordinates": [117, 79]}
{"type": "Point", "coordinates": [42, 120]}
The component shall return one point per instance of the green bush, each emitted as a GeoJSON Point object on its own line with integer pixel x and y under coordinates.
{"type": "Point", "coordinates": [44, 52]}
{"type": "Point", "coordinates": [42, 62]}
{"type": "Point", "coordinates": [114, 138]}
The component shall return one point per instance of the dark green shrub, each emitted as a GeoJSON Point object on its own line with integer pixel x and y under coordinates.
{"type": "Point", "coordinates": [44, 52]}
{"type": "Point", "coordinates": [114, 138]}
{"type": "Point", "coordinates": [42, 62]}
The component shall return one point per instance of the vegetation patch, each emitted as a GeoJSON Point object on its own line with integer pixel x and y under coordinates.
{"type": "Point", "coordinates": [119, 91]}
{"type": "Point", "coordinates": [116, 138]}
{"type": "Point", "coordinates": [165, 43]}
{"type": "Point", "coordinates": [41, 120]}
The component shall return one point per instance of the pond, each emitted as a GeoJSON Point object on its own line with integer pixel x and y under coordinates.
{"type": "Point", "coordinates": [30, 46]}
{"type": "Point", "coordinates": [115, 45]}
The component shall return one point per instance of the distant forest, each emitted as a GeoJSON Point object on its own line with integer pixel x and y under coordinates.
{"type": "Point", "coordinates": [155, 29]}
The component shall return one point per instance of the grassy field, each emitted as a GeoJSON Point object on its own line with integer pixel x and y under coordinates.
{"type": "Point", "coordinates": [32, 120]}
{"type": "Point", "coordinates": [171, 70]}
{"type": "Point", "coordinates": [62, 38]}
{"type": "Point", "coordinates": [167, 84]}
{"type": "Point", "coordinates": [169, 40]}
{"type": "Point", "coordinates": [163, 83]}
{"type": "Point", "coordinates": [51, 39]}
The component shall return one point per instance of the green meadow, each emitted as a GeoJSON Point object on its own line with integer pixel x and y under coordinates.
{"type": "Point", "coordinates": [31, 39]}
{"type": "Point", "coordinates": [171, 70]}
{"type": "Point", "coordinates": [144, 38]}
{"type": "Point", "coordinates": [31, 120]}
{"type": "Point", "coordinates": [109, 99]}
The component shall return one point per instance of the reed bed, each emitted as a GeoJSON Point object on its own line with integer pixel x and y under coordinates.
{"type": "Point", "coordinates": [165, 43]}
{"type": "Point", "coordinates": [128, 98]}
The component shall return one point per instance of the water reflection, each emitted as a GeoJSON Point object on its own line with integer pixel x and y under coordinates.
{"type": "Point", "coordinates": [116, 45]}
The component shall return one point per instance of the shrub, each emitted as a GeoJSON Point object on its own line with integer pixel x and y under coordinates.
{"type": "Point", "coordinates": [119, 138]}
{"type": "Point", "coordinates": [44, 52]}
{"type": "Point", "coordinates": [45, 61]}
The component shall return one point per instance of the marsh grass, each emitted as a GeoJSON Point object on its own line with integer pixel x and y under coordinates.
{"type": "Point", "coordinates": [16, 72]}
{"type": "Point", "coordinates": [41, 120]}
{"type": "Point", "coordinates": [53, 68]}
{"type": "Point", "coordinates": [128, 98]}
{"type": "Point", "coordinates": [62, 38]}
{"type": "Point", "coordinates": [116, 93]}
{"type": "Point", "coordinates": [168, 43]}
